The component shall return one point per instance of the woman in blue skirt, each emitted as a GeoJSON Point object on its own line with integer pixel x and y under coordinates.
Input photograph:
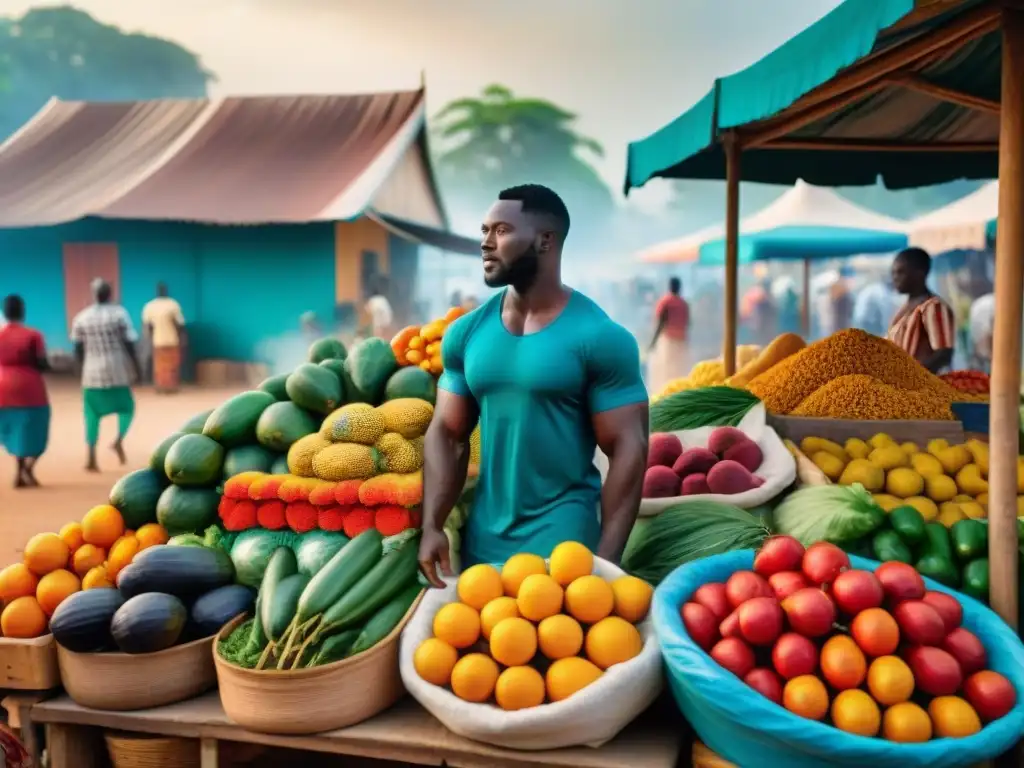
{"type": "Point", "coordinates": [24, 405]}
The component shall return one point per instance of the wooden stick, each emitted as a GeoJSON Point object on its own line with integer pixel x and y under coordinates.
{"type": "Point", "coordinates": [941, 92]}
{"type": "Point", "coordinates": [732, 230]}
{"type": "Point", "coordinates": [869, 145]}
{"type": "Point", "coordinates": [863, 77]}
{"type": "Point", "coordinates": [1004, 413]}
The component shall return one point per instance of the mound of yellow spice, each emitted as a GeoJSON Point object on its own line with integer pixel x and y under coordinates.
{"type": "Point", "coordinates": [854, 375]}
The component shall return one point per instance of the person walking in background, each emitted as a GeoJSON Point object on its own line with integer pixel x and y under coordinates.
{"type": "Point", "coordinates": [669, 345]}
{"type": "Point", "coordinates": [165, 330]}
{"type": "Point", "coordinates": [378, 308]}
{"type": "Point", "coordinates": [981, 326]}
{"type": "Point", "coordinates": [924, 327]}
{"type": "Point", "coordinates": [875, 306]}
{"type": "Point", "coordinates": [104, 342]}
{"type": "Point", "coordinates": [24, 405]}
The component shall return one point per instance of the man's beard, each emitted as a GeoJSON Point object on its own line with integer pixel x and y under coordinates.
{"type": "Point", "coordinates": [520, 273]}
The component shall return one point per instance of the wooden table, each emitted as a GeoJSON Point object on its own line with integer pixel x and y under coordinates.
{"type": "Point", "coordinates": [405, 733]}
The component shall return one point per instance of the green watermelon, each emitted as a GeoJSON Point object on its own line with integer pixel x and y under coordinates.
{"type": "Point", "coordinates": [187, 510]}
{"type": "Point", "coordinates": [370, 364]}
{"type": "Point", "coordinates": [274, 386]}
{"type": "Point", "coordinates": [159, 455]}
{"type": "Point", "coordinates": [326, 348]}
{"type": "Point", "coordinates": [194, 460]}
{"type": "Point", "coordinates": [282, 424]}
{"type": "Point", "coordinates": [252, 550]}
{"type": "Point", "coordinates": [135, 495]}
{"type": "Point", "coordinates": [316, 548]}
{"type": "Point", "coordinates": [247, 458]}
{"type": "Point", "coordinates": [314, 388]}
{"type": "Point", "coordinates": [194, 426]}
{"type": "Point", "coordinates": [411, 381]}
{"type": "Point", "coordinates": [337, 367]}
{"type": "Point", "coordinates": [233, 423]}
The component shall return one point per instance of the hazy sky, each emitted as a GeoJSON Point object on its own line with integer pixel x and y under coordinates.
{"type": "Point", "coordinates": [625, 67]}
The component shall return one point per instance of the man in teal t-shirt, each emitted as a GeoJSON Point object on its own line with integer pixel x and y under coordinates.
{"type": "Point", "coordinates": [549, 376]}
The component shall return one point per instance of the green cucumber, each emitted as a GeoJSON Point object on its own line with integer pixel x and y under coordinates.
{"type": "Point", "coordinates": [976, 579]}
{"type": "Point", "coordinates": [282, 606]}
{"type": "Point", "coordinates": [335, 648]}
{"type": "Point", "coordinates": [937, 541]}
{"type": "Point", "coordinates": [970, 539]}
{"type": "Point", "coordinates": [340, 574]}
{"type": "Point", "coordinates": [387, 578]}
{"type": "Point", "coordinates": [888, 546]}
{"type": "Point", "coordinates": [909, 524]}
{"type": "Point", "coordinates": [257, 637]}
{"type": "Point", "coordinates": [282, 565]}
{"type": "Point", "coordinates": [386, 619]}
{"type": "Point", "coordinates": [940, 569]}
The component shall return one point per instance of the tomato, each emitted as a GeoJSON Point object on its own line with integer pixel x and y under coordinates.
{"type": "Point", "coordinates": [991, 694]}
{"type": "Point", "coordinates": [967, 649]}
{"type": "Point", "coordinates": [842, 663]}
{"type": "Point", "coordinates": [735, 655]}
{"type": "Point", "coordinates": [713, 597]}
{"type": "Point", "coordinates": [700, 624]}
{"type": "Point", "coordinates": [876, 632]}
{"type": "Point", "coordinates": [854, 711]}
{"type": "Point", "coordinates": [744, 585]}
{"type": "Point", "coordinates": [953, 718]}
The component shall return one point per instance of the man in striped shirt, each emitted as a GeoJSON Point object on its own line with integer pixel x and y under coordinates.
{"type": "Point", "coordinates": [924, 327]}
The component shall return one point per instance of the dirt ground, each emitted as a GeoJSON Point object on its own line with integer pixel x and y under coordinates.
{"type": "Point", "coordinates": [68, 491]}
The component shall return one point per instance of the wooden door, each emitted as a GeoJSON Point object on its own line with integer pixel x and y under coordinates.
{"type": "Point", "coordinates": [84, 262]}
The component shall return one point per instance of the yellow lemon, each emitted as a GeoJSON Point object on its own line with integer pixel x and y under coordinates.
{"type": "Point", "coordinates": [928, 509]}
{"type": "Point", "coordinates": [926, 464]}
{"type": "Point", "coordinates": [903, 482]}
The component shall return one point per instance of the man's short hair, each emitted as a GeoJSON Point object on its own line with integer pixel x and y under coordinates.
{"type": "Point", "coordinates": [538, 199]}
{"type": "Point", "coordinates": [917, 258]}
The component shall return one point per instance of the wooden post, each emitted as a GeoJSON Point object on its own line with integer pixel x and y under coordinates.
{"type": "Point", "coordinates": [732, 230]}
{"type": "Point", "coordinates": [1006, 358]}
{"type": "Point", "coordinates": [805, 308]}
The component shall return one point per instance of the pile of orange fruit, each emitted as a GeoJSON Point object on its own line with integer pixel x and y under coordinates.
{"type": "Point", "coordinates": [533, 632]}
{"type": "Point", "coordinates": [421, 344]}
{"type": "Point", "coordinates": [84, 555]}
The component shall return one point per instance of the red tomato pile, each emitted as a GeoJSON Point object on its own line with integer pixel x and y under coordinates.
{"type": "Point", "coordinates": [970, 381]}
{"type": "Point", "coordinates": [875, 654]}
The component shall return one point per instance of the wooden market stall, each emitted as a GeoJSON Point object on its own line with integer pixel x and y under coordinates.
{"type": "Point", "coordinates": [917, 92]}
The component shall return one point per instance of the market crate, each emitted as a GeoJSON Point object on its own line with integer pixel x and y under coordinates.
{"type": "Point", "coordinates": [796, 428]}
{"type": "Point", "coordinates": [29, 665]}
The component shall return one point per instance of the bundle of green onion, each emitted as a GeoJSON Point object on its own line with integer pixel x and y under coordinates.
{"type": "Point", "coordinates": [705, 407]}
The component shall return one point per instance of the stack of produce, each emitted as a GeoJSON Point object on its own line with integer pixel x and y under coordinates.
{"type": "Point", "coordinates": [309, 616]}
{"type": "Point", "coordinates": [717, 406]}
{"type": "Point", "coordinates": [420, 345]}
{"type": "Point", "coordinates": [811, 634]}
{"type": "Point", "coordinates": [167, 596]}
{"type": "Point", "coordinates": [83, 556]}
{"type": "Point", "coordinates": [726, 466]}
{"type": "Point", "coordinates": [970, 381]}
{"type": "Point", "coordinates": [854, 375]}
{"type": "Point", "coordinates": [533, 632]}
{"type": "Point", "coordinates": [709, 373]}
{"type": "Point", "coordinates": [943, 482]}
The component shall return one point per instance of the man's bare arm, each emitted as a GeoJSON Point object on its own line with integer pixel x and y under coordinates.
{"type": "Point", "coordinates": [622, 435]}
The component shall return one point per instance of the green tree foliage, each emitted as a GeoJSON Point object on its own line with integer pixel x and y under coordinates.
{"type": "Point", "coordinates": [497, 140]}
{"type": "Point", "coordinates": [65, 52]}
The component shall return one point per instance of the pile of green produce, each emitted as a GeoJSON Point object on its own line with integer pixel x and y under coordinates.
{"type": "Point", "coordinates": [346, 606]}
{"type": "Point", "coordinates": [718, 406]}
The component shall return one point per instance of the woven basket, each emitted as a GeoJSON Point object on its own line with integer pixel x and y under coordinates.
{"type": "Point", "coordinates": [123, 681]}
{"type": "Point", "coordinates": [313, 700]}
{"type": "Point", "coordinates": [128, 750]}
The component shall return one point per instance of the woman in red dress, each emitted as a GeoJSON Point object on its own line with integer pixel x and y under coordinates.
{"type": "Point", "coordinates": [24, 405]}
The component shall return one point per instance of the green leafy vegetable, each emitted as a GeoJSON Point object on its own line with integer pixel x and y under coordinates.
{"type": "Point", "coordinates": [236, 649]}
{"type": "Point", "coordinates": [836, 513]}
{"type": "Point", "coordinates": [705, 407]}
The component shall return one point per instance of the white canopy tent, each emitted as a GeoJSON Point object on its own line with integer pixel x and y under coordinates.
{"type": "Point", "coordinates": [961, 225]}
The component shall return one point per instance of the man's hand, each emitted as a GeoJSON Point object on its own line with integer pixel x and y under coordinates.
{"type": "Point", "coordinates": [434, 549]}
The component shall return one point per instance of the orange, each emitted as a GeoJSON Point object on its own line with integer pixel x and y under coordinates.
{"type": "Point", "coordinates": [87, 557]}
{"type": "Point", "coordinates": [102, 525]}
{"type": "Point", "coordinates": [121, 554]}
{"type": "Point", "coordinates": [499, 608]}
{"type": "Point", "coordinates": [72, 535]}
{"type": "Point", "coordinates": [570, 560]}
{"type": "Point", "coordinates": [876, 632]}
{"type": "Point", "coordinates": [454, 314]}
{"type": "Point", "coordinates": [589, 599]}
{"type": "Point", "coordinates": [54, 588]}
{"type": "Point", "coordinates": [517, 568]}
{"type": "Point", "coordinates": [953, 718]}
{"type": "Point", "coordinates": [46, 552]}
{"type": "Point", "coordinates": [632, 598]}
{"type": "Point", "coordinates": [23, 618]}
{"type": "Point", "coordinates": [612, 641]}
{"type": "Point", "coordinates": [97, 578]}
{"type": "Point", "coordinates": [457, 624]}
{"type": "Point", "coordinates": [806, 696]}
{"type": "Point", "coordinates": [842, 663]}
{"type": "Point", "coordinates": [479, 585]}
{"type": "Point", "coordinates": [17, 581]}
{"type": "Point", "coordinates": [906, 723]}
{"type": "Point", "coordinates": [434, 661]}
{"type": "Point", "coordinates": [854, 711]}
{"type": "Point", "coordinates": [474, 677]}
{"type": "Point", "coordinates": [559, 636]}
{"type": "Point", "coordinates": [539, 597]}
{"type": "Point", "coordinates": [890, 680]}
{"type": "Point", "coordinates": [513, 642]}
{"type": "Point", "coordinates": [151, 535]}
{"type": "Point", "coordinates": [519, 688]}
{"type": "Point", "coordinates": [567, 676]}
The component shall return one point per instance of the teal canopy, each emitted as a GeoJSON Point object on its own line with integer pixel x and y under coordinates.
{"type": "Point", "coordinates": [803, 243]}
{"type": "Point", "coordinates": [904, 109]}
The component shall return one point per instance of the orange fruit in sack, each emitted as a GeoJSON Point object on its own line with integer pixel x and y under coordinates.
{"type": "Point", "coordinates": [567, 676]}
{"type": "Point", "coordinates": [71, 533]}
{"type": "Point", "coordinates": [842, 663]}
{"type": "Point", "coordinates": [17, 581]}
{"type": "Point", "coordinates": [474, 677]}
{"type": "Point", "coordinates": [457, 624]}
{"type": "Point", "coordinates": [46, 552]}
{"type": "Point", "coordinates": [499, 608]}
{"type": "Point", "coordinates": [906, 723]}
{"type": "Point", "coordinates": [23, 618]}
{"type": "Point", "coordinates": [806, 696]}
{"type": "Point", "coordinates": [632, 598]}
{"type": "Point", "coordinates": [612, 641]}
{"type": "Point", "coordinates": [589, 599]}
{"type": "Point", "coordinates": [953, 718]}
{"type": "Point", "coordinates": [479, 585]}
{"type": "Point", "coordinates": [854, 711]}
{"type": "Point", "coordinates": [519, 688]}
{"type": "Point", "coordinates": [559, 637]}
{"type": "Point", "coordinates": [87, 557]}
{"type": "Point", "coordinates": [517, 568]}
{"type": "Point", "coordinates": [890, 680]}
{"type": "Point", "coordinates": [102, 525]}
{"type": "Point", "coordinates": [54, 588]}
{"type": "Point", "coordinates": [539, 597]}
{"type": "Point", "coordinates": [434, 661]}
{"type": "Point", "coordinates": [513, 642]}
{"type": "Point", "coordinates": [570, 560]}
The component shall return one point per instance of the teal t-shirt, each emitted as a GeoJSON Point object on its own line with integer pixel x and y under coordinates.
{"type": "Point", "coordinates": [537, 393]}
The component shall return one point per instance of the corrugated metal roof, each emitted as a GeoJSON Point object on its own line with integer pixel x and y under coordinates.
{"type": "Point", "coordinates": [250, 160]}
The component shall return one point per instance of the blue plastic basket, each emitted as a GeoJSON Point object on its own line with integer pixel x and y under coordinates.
{"type": "Point", "coordinates": [745, 728]}
{"type": "Point", "coordinates": [974, 416]}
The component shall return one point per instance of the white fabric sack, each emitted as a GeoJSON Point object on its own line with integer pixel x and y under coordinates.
{"type": "Point", "coordinates": [591, 717]}
{"type": "Point", "coordinates": [778, 467]}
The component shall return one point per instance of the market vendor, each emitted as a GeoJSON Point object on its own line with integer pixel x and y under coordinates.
{"type": "Point", "coordinates": [924, 327]}
{"type": "Point", "coordinates": [549, 375]}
